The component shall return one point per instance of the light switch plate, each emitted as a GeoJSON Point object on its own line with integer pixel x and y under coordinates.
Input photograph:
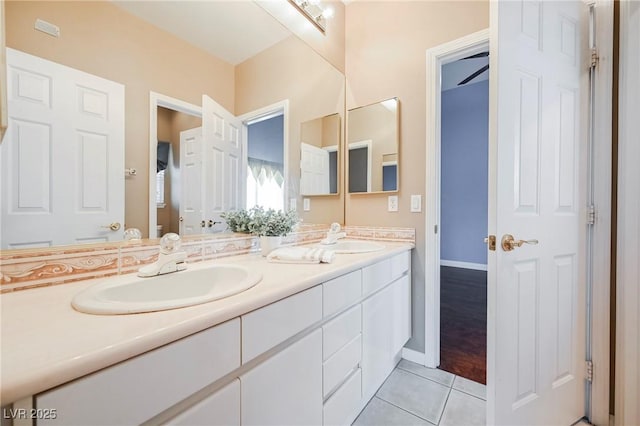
{"type": "Point", "coordinates": [416, 203]}
{"type": "Point", "coordinates": [293, 204]}
{"type": "Point", "coordinates": [306, 204]}
{"type": "Point", "coordinates": [393, 203]}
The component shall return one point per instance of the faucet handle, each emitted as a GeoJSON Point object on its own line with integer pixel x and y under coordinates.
{"type": "Point", "coordinates": [335, 228]}
{"type": "Point", "coordinates": [170, 243]}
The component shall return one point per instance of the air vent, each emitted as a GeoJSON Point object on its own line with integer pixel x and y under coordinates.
{"type": "Point", "coordinates": [46, 27]}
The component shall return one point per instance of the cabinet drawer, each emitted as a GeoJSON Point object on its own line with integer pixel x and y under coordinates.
{"type": "Point", "coordinates": [344, 405]}
{"type": "Point", "coordinates": [341, 292]}
{"type": "Point", "coordinates": [376, 276]}
{"type": "Point", "coordinates": [266, 327]}
{"type": "Point", "coordinates": [222, 408]}
{"type": "Point", "coordinates": [338, 367]}
{"type": "Point", "coordinates": [286, 389]}
{"type": "Point", "coordinates": [400, 263]}
{"type": "Point", "coordinates": [340, 331]}
{"type": "Point", "coordinates": [137, 389]}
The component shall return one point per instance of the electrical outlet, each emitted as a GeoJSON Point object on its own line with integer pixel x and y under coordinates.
{"type": "Point", "coordinates": [306, 204]}
{"type": "Point", "coordinates": [293, 204]}
{"type": "Point", "coordinates": [416, 203]}
{"type": "Point", "coordinates": [393, 203]}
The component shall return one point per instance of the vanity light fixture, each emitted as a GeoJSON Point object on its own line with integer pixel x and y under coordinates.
{"type": "Point", "coordinates": [314, 12]}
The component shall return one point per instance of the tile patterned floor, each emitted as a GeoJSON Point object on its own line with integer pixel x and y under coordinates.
{"type": "Point", "coordinates": [416, 395]}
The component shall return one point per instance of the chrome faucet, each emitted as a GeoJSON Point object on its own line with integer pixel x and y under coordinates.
{"type": "Point", "coordinates": [334, 234]}
{"type": "Point", "coordinates": [170, 259]}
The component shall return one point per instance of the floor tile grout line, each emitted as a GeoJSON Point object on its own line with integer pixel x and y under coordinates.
{"type": "Point", "coordinates": [466, 392]}
{"type": "Point", "coordinates": [426, 378]}
{"type": "Point", "coordinates": [405, 410]}
{"type": "Point", "coordinates": [444, 407]}
{"type": "Point", "coordinates": [470, 394]}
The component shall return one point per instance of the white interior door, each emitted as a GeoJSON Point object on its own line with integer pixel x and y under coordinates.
{"type": "Point", "coordinates": [224, 175]}
{"type": "Point", "coordinates": [314, 170]}
{"type": "Point", "coordinates": [191, 187]}
{"type": "Point", "coordinates": [63, 156]}
{"type": "Point", "coordinates": [536, 312]}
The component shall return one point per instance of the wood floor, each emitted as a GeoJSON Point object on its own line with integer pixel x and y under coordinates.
{"type": "Point", "coordinates": [463, 323]}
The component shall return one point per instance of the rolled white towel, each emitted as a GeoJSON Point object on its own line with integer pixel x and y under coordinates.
{"type": "Point", "coordinates": [301, 255]}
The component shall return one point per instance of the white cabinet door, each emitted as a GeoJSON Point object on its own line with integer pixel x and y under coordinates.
{"type": "Point", "coordinates": [222, 408]}
{"type": "Point", "coordinates": [139, 388]}
{"type": "Point", "coordinates": [286, 389]}
{"type": "Point", "coordinates": [377, 327]}
{"type": "Point", "coordinates": [401, 313]}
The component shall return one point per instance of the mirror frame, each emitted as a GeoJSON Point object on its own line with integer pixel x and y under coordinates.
{"type": "Point", "coordinates": [398, 143]}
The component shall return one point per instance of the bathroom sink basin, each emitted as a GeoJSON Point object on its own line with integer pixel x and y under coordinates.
{"type": "Point", "coordinates": [346, 246]}
{"type": "Point", "coordinates": [129, 294]}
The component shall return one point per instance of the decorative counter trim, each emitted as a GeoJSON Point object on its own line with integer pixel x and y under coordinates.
{"type": "Point", "coordinates": [33, 268]}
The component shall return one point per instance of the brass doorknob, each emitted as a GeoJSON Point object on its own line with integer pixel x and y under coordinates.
{"type": "Point", "coordinates": [113, 226]}
{"type": "Point", "coordinates": [509, 243]}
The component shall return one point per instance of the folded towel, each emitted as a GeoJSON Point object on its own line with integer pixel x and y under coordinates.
{"type": "Point", "coordinates": [301, 255]}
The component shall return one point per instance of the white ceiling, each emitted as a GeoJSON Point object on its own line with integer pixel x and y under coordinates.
{"type": "Point", "coordinates": [454, 72]}
{"type": "Point", "coordinates": [231, 30]}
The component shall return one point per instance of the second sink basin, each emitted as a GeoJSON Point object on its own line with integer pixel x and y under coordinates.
{"type": "Point", "coordinates": [347, 246]}
{"type": "Point", "coordinates": [128, 294]}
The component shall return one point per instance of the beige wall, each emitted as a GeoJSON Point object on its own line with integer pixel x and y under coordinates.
{"type": "Point", "coordinates": [311, 132]}
{"type": "Point", "coordinates": [314, 88]}
{"type": "Point", "coordinates": [101, 39]}
{"type": "Point", "coordinates": [386, 45]}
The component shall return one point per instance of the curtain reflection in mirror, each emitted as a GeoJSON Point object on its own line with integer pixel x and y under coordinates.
{"type": "Point", "coordinates": [265, 184]}
{"type": "Point", "coordinates": [265, 163]}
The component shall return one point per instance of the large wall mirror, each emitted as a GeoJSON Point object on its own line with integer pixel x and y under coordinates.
{"type": "Point", "coordinates": [320, 155]}
{"type": "Point", "coordinates": [234, 52]}
{"type": "Point", "coordinates": [372, 146]}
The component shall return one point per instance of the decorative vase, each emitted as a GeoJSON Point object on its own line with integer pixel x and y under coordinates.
{"type": "Point", "coordinates": [268, 244]}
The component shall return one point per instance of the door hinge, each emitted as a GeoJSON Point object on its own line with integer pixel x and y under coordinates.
{"type": "Point", "coordinates": [588, 374]}
{"type": "Point", "coordinates": [435, 229]}
{"type": "Point", "coordinates": [594, 58]}
{"type": "Point", "coordinates": [591, 215]}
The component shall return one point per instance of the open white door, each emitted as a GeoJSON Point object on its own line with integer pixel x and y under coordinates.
{"type": "Point", "coordinates": [536, 307]}
{"type": "Point", "coordinates": [224, 175]}
{"type": "Point", "coordinates": [63, 156]}
{"type": "Point", "coordinates": [314, 170]}
{"type": "Point", "coordinates": [191, 187]}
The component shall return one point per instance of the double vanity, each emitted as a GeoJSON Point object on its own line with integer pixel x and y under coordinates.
{"type": "Point", "coordinates": [307, 344]}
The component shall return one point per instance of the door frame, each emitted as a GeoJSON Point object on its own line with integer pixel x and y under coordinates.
{"type": "Point", "coordinates": [436, 58]}
{"type": "Point", "coordinates": [273, 110]}
{"type": "Point", "coordinates": [159, 100]}
{"type": "Point", "coordinates": [627, 383]}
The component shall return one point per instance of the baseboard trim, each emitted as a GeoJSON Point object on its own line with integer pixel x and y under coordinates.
{"type": "Point", "coordinates": [464, 265]}
{"type": "Point", "coordinates": [413, 356]}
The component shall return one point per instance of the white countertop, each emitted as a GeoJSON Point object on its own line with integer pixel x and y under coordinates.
{"type": "Point", "coordinates": [44, 342]}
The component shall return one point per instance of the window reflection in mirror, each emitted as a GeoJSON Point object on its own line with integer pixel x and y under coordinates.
{"type": "Point", "coordinates": [319, 155]}
{"type": "Point", "coordinates": [373, 140]}
{"type": "Point", "coordinates": [265, 163]}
